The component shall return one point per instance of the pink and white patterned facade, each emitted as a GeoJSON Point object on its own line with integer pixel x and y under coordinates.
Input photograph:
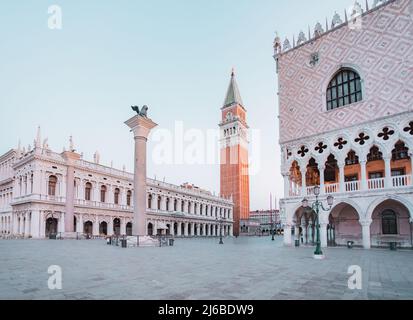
{"type": "Point", "coordinates": [360, 152]}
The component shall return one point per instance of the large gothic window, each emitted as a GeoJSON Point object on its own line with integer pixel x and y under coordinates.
{"type": "Point", "coordinates": [344, 89]}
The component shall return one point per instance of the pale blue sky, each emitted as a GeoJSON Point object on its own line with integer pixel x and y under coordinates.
{"type": "Point", "coordinates": [174, 56]}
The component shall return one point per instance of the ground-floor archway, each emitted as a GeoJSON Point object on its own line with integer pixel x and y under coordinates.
{"type": "Point", "coordinates": [103, 228]}
{"type": "Point", "coordinates": [391, 223]}
{"type": "Point", "coordinates": [51, 226]}
{"type": "Point", "coordinates": [88, 228]}
{"type": "Point", "coordinates": [116, 227]}
{"type": "Point", "coordinates": [129, 229]}
{"type": "Point", "coordinates": [150, 229]}
{"type": "Point", "coordinates": [344, 225]}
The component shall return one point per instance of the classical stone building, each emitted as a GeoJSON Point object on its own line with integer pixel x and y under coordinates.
{"type": "Point", "coordinates": [346, 125]}
{"type": "Point", "coordinates": [234, 153]}
{"type": "Point", "coordinates": [36, 192]}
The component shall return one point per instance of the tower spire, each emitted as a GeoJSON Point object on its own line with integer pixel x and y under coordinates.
{"type": "Point", "coordinates": [233, 96]}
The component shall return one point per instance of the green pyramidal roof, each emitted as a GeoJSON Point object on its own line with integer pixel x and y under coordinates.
{"type": "Point", "coordinates": [233, 96]}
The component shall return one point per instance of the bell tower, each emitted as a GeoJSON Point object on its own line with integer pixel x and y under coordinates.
{"type": "Point", "coordinates": [234, 153]}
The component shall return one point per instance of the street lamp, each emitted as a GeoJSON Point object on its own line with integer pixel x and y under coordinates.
{"type": "Point", "coordinates": [220, 221]}
{"type": "Point", "coordinates": [318, 254]}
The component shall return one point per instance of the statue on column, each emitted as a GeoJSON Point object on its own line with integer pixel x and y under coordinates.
{"type": "Point", "coordinates": [143, 112]}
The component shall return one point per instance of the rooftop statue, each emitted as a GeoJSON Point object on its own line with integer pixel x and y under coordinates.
{"type": "Point", "coordinates": [143, 112]}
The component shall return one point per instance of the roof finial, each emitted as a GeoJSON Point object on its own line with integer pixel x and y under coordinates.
{"type": "Point", "coordinates": [71, 145]}
{"type": "Point", "coordinates": [38, 140]}
{"type": "Point", "coordinates": [232, 72]}
{"type": "Point", "coordinates": [19, 150]}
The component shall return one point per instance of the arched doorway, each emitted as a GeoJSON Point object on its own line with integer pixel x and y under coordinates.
{"type": "Point", "coordinates": [391, 223]}
{"type": "Point", "coordinates": [129, 229]}
{"type": "Point", "coordinates": [182, 229]}
{"type": "Point", "coordinates": [189, 229]}
{"type": "Point", "coordinates": [103, 228]}
{"type": "Point", "coordinates": [175, 228]}
{"type": "Point", "coordinates": [51, 226]}
{"type": "Point", "coordinates": [150, 229]}
{"type": "Point", "coordinates": [344, 226]}
{"type": "Point", "coordinates": [88, 228]}
{"type": "Point", "coordinates": [116, 226]}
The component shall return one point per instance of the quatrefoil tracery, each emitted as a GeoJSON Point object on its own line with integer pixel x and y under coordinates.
{"type": "Point", "coordinates": [409, 129]}
{"type": "Point", "coordinates": [386, 133]}
{"type": "Point", "coordinates": [303, 150]}
{"type": "Point", "coordinates": [340, 143]}
{"type": "Point", "coordinates": [362, 138]}
{"type": "Point", "coordinates": [320, 147]}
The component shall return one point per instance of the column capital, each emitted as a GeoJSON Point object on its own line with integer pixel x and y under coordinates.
{"type": "Point", "coordinates": [321, 167]}
{"type": "Point", "coordinates": [140, 126]}
{"type": "Point", "coordinates": [341, 163]}
{"type": "Point", "coordinates": [365, 222]}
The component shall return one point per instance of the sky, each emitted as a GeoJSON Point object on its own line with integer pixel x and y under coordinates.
{"type": "Point", "coordinates": [174, 56]}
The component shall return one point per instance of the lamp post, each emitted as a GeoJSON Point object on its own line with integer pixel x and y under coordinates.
{"type": "Point", "coordinates": [318, 254]}
{"type": "Point", "coordinates": [220, 221]}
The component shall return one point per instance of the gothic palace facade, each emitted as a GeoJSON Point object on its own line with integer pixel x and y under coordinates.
{"type": "Point", "coordinates": [346, 125]}
{"type": "Point", "coordinates": [34, 195]}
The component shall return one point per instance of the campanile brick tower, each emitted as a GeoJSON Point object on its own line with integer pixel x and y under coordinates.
{"type": "Point", "coordinates": [234, 154]}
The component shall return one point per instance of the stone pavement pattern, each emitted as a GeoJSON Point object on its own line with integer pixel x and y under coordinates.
{"type": "Point", "coordinates": [242, 268]}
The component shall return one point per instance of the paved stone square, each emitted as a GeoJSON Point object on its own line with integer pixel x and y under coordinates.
{"type": "Point", "coordinates": [242, 268]}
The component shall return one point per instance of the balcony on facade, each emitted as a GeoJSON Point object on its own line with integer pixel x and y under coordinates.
{"type": "Point", "coordinates": [374, 171]}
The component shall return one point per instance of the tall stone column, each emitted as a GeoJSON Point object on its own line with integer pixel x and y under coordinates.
{"type": "Point", "coordinates": [365, 227]}
{"type": "Point", "coordinates": [179, 229]}
{"type": "Point", "coordinates": [141, 127]}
